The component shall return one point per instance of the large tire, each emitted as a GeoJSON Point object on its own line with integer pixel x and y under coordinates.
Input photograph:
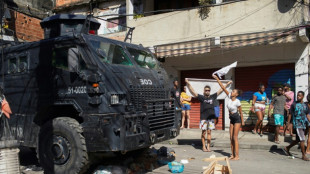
{"type": "Point", "coordinates": [61, 147]}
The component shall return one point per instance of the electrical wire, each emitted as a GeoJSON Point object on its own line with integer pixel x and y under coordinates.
{"type": "Point", "coordinates": [217, 28]}
{"type": "Point", "coordinates": [302, 2]}
{"type": "Point", "coordinates": [173, 10]}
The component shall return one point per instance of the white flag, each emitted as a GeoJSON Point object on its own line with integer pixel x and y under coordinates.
{"type": "Point", "coordinates": [223, 71]}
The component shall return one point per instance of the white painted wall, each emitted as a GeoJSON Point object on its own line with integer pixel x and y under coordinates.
{"type": "Point", "coordinates": [230, 19]}
{"type": "Point", "coordinates": [301, 72]}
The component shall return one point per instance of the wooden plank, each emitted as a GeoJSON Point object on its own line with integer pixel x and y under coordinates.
{"type": "Point", "coordinates": [228, 165]}
{"type": "Point", "coordinates": [215, 159]}
{"type": "Point", "coordinates": [210, 168]}
{"type": "Point", "coordinates": [215, 168]}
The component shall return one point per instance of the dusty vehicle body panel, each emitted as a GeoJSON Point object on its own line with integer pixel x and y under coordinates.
{"type": "Point", "coordinates": [39, 91]}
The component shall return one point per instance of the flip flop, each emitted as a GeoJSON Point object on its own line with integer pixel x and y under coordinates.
{"type": "Point", "coordinates": [286, 152]}
{"type": "Point", "coordinates": [277, 142]}
{"type": "Point", "coordinates": [206, 150]}
{"type": "Point", "coordinates": [253, 132]}
{"type": "Point", "coordinates": [306, 159]}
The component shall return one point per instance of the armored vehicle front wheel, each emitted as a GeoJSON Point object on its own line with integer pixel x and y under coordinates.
{"type": "Point", "coordinates": [62, 147]}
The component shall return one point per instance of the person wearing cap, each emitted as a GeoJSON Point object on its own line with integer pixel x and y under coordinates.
{"type": "Point", "coordinates": [289, 95]}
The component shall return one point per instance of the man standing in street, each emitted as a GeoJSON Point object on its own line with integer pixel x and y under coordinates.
{"type": "Point", "coordinates": [175, 94]}
{"type": "Point", "coordinates": [277, 104]}
{"type": "Point", "coordinates": [289, 100]}
{"type": "Point", "coordinates": [207, 113]}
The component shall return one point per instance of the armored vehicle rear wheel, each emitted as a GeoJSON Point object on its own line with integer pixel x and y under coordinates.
{"type": "Point", "coordinates": [62, 147]}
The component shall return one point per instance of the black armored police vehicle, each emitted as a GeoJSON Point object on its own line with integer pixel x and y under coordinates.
{"type": "Point", "coordinates": [75, 93]}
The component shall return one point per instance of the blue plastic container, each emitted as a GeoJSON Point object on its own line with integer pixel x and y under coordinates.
{"type": "Point", "coordinates": [176, 167]}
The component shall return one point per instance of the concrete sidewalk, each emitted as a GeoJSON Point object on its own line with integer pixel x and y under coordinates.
{"type": "Point", "coordinates": [220, 139]}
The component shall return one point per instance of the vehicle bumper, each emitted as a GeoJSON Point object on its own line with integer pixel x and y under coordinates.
{"type": "Point", "coordinates": [116, 132]}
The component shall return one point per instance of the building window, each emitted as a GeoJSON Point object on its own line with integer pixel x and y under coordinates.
{"type": "Point", "coordinates": [114, 25]}
{"type": "Point", "coordinates": [174, 4]}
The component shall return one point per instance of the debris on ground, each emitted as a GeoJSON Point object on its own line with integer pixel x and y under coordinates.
{"type": "Point", "coordinates": [192, 158]}
{"type": "Point", "coordinates": [216, 168]}
{"type": "Point", "coordinates": [176, 167]}
{"type": "Point", "coordinates": [184, 161]}
{"type": "Point", "coordinates": [141, 161]}
{"type": "Point", "coordinates": [110, 170]}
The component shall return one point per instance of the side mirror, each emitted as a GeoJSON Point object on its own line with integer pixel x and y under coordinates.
{"type": "Point", "coordinates": [101, 53]}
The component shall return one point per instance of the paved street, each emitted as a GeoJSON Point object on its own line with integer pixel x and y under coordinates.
{"type": "Point", "coordinates": [252, 161]}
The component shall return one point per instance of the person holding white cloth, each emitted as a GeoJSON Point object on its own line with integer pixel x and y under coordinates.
{"type": "Point", "coordinates": [235, 116]}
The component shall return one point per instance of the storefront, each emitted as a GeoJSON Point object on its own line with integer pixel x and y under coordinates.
{"type": "Point", "coordinates": [272, 76]}
{"type": "Point", "coordinates": [247, 79]}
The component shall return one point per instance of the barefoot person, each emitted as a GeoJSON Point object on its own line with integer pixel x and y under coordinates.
{"type": "Point", "coordinates": [207, 113]}
{"type": "Point", "coordinates": [277, 104]}
{"type": "Point", "coordinates": [236, 119]}
{"type": "Point", "coordinates": [259, 105]}
{"type": "Point", "coordinates": [298, 113]}
{"type": "Point", "coordinates": [289, 101]}
{"type": "Point", "coordinates": [186, 107]}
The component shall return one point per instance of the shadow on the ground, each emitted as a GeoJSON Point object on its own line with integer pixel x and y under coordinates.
{"type": "Point", "coordinates": [286, 138]}
{"type": "Point", "coordinates": [27, 156]}
{"type": "Point", "coordinates": [28, 159]}
{"type": "Point", "coordinates": [279, 151]}
{"type": "Point", "coordinates": [195, 142]}
{"type": "Point", "coordinates": [222, 152]}
{"type": "Point", "coordinates": [138, 161]}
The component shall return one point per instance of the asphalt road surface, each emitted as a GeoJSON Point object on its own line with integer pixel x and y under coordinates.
{"type": "Point", "coordinates": [251, 161]}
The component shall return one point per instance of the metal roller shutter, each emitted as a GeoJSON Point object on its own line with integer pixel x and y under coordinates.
{"type": "Point", "coordinates": [195, 107]}
{"type": "Point", "coordinates": [248, 79]}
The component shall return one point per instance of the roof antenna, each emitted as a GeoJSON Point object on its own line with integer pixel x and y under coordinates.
{"type": "Point", "coordinates": [129, 34]}
{"type": "Point", "coordinates": [86, 25]}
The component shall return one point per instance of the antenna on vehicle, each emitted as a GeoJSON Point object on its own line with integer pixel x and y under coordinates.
{"type": "Point", "coordinates": [129, 34]}
{"type": "Point", "coordinates": [86, 25]}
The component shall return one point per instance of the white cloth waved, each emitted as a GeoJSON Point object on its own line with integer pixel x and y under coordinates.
{"type": "Point", "coordinates": [223, 71]}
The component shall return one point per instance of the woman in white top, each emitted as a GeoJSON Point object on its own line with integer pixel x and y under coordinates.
{"type": "Point", "coordinates": [236, 119]}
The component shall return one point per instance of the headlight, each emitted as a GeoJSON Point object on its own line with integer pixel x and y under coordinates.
{"type": "Point", "coordinates": [117, 99]}
{"type": "Point", "coordinates": [114, 99]}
